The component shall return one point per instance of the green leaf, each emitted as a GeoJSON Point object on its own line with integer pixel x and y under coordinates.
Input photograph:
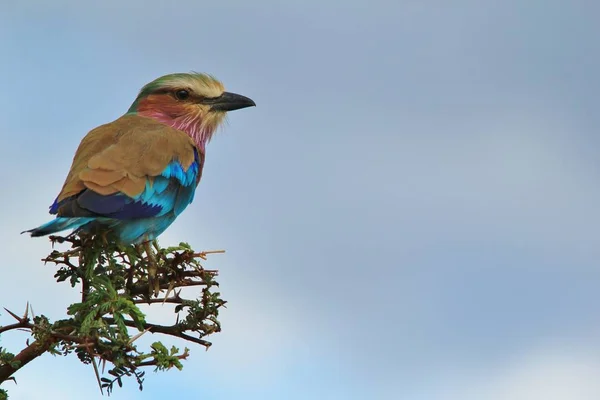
{"type": "Point", "coordinates": [104, 320]}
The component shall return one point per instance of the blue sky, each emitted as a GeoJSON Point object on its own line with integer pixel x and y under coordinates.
{"type": "Point", "coordinates": [410, 212]}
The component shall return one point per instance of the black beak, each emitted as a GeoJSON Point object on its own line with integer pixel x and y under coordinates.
{"type": "Point", "coordinates": [229, 102]}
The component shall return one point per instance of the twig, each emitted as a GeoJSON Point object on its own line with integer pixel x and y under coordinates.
{"type": "Point", "coordinates": [162, 300]}
{"type": "Point", "coordinates": [28, 354]}
{"type": "Point", "coordinates": [139, 289]}
{"type": "Point", "coordinates": [18, 325]}
{"type": "Point", "coordinates": [173, 330]}
{"type": "Point", "coordinates": [153, 362]}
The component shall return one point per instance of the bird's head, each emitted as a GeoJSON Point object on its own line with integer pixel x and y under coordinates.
{"type": "Point", "coordinates": [194, 103]}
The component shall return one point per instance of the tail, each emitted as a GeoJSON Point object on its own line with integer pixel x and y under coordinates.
{"type": "Point", "coordinates": [59, 224]}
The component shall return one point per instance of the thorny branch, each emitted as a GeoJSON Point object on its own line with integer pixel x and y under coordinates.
{"type": "Point", "coordinates": [114, 281]}
{"type": "Point", "coordinates": [172, 330]}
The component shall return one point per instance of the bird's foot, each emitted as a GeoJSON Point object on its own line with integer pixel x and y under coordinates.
{"type": "Point", "coordinates": [153, 282]}
{"type": "Point", "coordinates": [104, 237]}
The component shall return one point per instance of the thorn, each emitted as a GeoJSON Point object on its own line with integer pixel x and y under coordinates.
{"type": "Point", "coordinates": [169, 290]}
{"type": "Point", "coordinates": [26, 311]}
{"type": "Point", "coordinates": [139, 335]}
{"type": "Point", "coordinates": [203, 254]}
{"type": "Point", "coordinates": [97, 375]}
{"type": "Point", "coordinates": [15, 316]}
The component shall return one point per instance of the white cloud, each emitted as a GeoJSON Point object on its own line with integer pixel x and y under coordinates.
{"type": "Point", "coordinates": [550, 373]}
{"type": "Point", "coordinates": [553, 370]}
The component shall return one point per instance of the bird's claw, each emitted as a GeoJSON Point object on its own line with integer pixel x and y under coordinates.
{"type": "Point", "coordinates": [153, 282]}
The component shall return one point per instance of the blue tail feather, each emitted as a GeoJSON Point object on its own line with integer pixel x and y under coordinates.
{"type": "Point", "coordinates": [133, 231]}
{"type": "Point", "coordinates": [59, 224]}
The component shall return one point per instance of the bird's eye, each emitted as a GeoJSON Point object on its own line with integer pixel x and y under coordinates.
{"type": "Point", "coordinates": [182, 94]}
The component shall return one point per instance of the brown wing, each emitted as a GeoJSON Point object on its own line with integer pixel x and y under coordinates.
{"type": "Point", "coordinates": [121, 155]}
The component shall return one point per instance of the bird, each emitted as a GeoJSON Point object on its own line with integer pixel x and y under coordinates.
{"type": "Point", "coordinates": [135, 175]}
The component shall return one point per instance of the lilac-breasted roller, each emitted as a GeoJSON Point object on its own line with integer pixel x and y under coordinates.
{"type": "Point", "coordinates": [135, 175]}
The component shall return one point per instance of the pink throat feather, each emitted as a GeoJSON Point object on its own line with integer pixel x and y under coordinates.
{"type": "Point", "coordinates": [191, 124]}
